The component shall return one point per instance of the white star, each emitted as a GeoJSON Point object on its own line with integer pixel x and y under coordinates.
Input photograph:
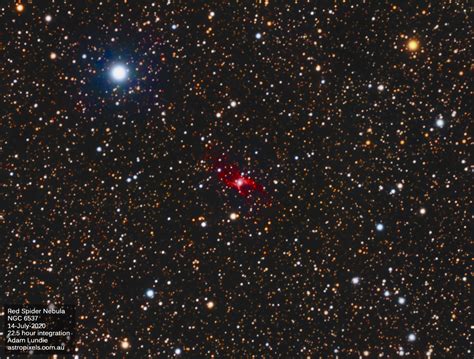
{"type": "Point", "coordinates": [119, 72]}
{"type": "Point", "coordinates": [440, 123]}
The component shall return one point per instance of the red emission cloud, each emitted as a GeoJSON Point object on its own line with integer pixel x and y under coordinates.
{"type": "Point", "coordinates": [231, 175]}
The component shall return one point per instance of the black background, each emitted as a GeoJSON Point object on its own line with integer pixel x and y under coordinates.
{"type": "Point", "coordinates": [274, 271]}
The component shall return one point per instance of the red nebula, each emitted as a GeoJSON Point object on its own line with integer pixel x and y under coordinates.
{"type": "Point", "coordinates": [231, 175]}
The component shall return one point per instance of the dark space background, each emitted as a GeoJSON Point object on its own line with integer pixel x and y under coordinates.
{"type": "Point", "coordinates": [349, 122]}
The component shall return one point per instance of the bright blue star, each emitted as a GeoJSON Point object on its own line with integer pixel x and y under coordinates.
{"type": "Point", "coordinates": [119, 72]}
{"type": "Point", "coordinates": [150, 293]}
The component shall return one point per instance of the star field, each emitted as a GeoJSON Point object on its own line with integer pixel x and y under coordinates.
{"type": "Point", "coordinates": [256, 179]}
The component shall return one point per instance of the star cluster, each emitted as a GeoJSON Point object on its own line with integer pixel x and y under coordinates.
{"type": "Point", "coordinates": [340, 224]}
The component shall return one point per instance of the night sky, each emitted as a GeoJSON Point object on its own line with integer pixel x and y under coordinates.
{"type": "Point", "coordinates": [266, 179]}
